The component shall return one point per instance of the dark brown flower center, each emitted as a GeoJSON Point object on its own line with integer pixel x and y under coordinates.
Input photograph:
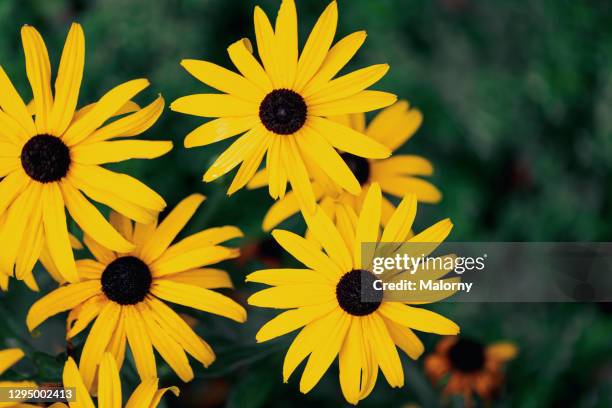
{"type": "Point", "coordinates": [45, 158]}
{"type": "Point", "coordinates": [359, 166]}
{"type": "Point", "coordinates": [467, 355]}
{"type": "Point", "coordinates": [283, 111]}
{"type": "Point", "coordinates": [356, 294]}
{"type": "Point", "coordinates": [126, 280]}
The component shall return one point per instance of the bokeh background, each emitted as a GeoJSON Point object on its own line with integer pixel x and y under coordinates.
{"type": "Point", "coordinates": [517, 100]}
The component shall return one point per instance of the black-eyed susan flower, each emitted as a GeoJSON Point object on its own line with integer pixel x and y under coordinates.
{"type": "Point", "coordinates": [325, 301]}
{"type": "Point", "coordinates": [398, 175]}
{"type": "Point", "coordinates": [146, 395]}
{"type": "Point", "coordinates": [469, 367]}
{"type": "Point", "coordinates": [125, 292]}
{"type": "Point", "coordinates": [51, 160]}
{"type": "Point", "coordinates": [282, 106]}
{"type": "Point", "coordinates": [8, 358]}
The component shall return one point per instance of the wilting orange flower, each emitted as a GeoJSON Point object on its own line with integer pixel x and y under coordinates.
{"type": "Point", "coordinates": [469, 366]}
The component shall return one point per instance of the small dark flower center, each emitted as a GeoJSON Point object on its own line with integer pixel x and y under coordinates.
{"type": "Point", "coordinates": [126, 280]}
{"type": "Point", "coordinates": [356, 294]}
{"type": "Point", "coordinates": [45, 158]}
{"type": "Point", "coordinates": [359, 166]}
{"type": "Point", "coordinates": [467, 355]}
{"type": "Point", "coordinates": [283, 111]}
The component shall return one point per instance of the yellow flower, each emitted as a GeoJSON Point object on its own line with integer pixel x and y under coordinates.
{"type": "Point", "coordinates": [325, 300]}
{"type": "Point", "coordinates": [9, 357]}
{"type": "Point", "coordinates": [124, 293]}
{"type": "Point", "coordinates": [397, 175]}
{"type": "Point", "coordinates": [48, 161]}
{"type": "Point", "coordinates": [146, 395]}
{"type": "Point", "coordinates": [283, 105]}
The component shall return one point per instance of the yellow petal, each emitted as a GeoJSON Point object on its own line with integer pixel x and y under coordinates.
{"type": "Point", "coordinates": [143, 394]}
{"type": "Point", "coordinates": [173, 325]}
{"type": "Point", "coordinates": [38, 70]}
{"type": "Point", "coordinates": [208, 237]}
{"type": "Point", "coordinates": [250, 164]}
{"type": "Point", "coordinates": [166, 346]}
{"type": "Point", "coordinates": [8, 357]}
{"type": "Point", "coordinates": [364, 101]}
{"type": "Point", "coordinates": [223, 80]}
{"type": "Point", "coordinates": [305, 342]}
{"type": "Point", "coordinates": [8, 165]}
{"type": "Point", "coordinates": [337, 57]}
{"type": "Point", "coordinates": [109, 385]}
{"type": "Point", "coordinates": [350, 358]}
{"type": "Point", "coordinates": [418, 319]}
{"type": "Point", "coordinates": [395, 125]}
{"type": "Point", "coordinates": [23, 227]}
{"type": "Point", "coordinates": [347, 85]}
{"type": "Point", "coordinates": [298, 174]}
{"type": "Point", "coordinates": [72, 378]}
{"type": "Point", "coordinates": [92, 222]}
{"type": "Point", "coordinates": [106, 107]}
{"type": "Point", "coordinates": [325, 156]}
{"type": "Point", "coordinates": [368, 225]}
{"type": "Point", "coordinates": [10, 188]}
{"type": "Point", "coordinates": [206, 278]}
{"type": "Point", "coordinates": [123, 186]}
{"type": "Point", "coordinates": [286, 44]}
{"type": "Point", "coordinates": [198, 298]}
{"type": "Point", "coordinates": [317, 45]}
{"type": "Point", "coordinates": [117, 199]}
{"type": "Point", "coordinates": [347, 139]}
{"type": "Point", "coordinates": [191, 259]}
{"type": "Point", "coordinates": [401, 186]}
{"type": "Point", "coordinates": [434, 234]}
{"type": "Point", "coordinates": [266, 45]}
{"type": "Point", "coordinates": [502, 351]}
{"type": "Point", "coordinates": [236, 153]}
{"type": "Point", "coordinates": [327, 235]}
{"type": "Point", "coordinates": [122, 224]}
{"type": "Point", "coordinates": [402, 165]}
{"type": "Point", "coordinates": [277, 176]}
{"type": "Point", "coordinates": [280, 211]}
{"type": "Point", "coordinates": [68, 81]}
{"type": "Point", "coordinates": [308, 254]}
{"type": "Point", "coordinates": [13, 106]}
{"type": "Point", "coordinates": [101, 253]}
{"type": "Point", "coordinates": [241, 55]}
{"type": "Point", "coordinates": [214, 106]}
{"type": "Point", "coordinates": [326, 349]}
{"type": "Point", "coordinates": [128, 107]}
{"type": "Point", "coordinates": [384, 350]}
{"type": "Point", "coordinates": [97, 341]}
{"type": "Point", "coordinates": [117, 343]}
{"type": "Point", "coordinates": [219, 129]}
{"type": "Point", "coordinates": [292, 296]}
{"type": "Point", "coordinates": [56, 232]}
{"type": "Point", "coordinates": [118, 151]}
{"type": "Point", "coordinates": [399, 225]}
{"type": "Point", "coordinates": [405, 339]}
{"type": "Point", "coordinates": [170, 227]}
{"type": "Point", "coordinates": [294, 319]}
{"type": "Point", "coordinates": [131, 125]}
{"type": "Point", "coordinates": [80, 316]}
{"type": "Point", "coordinates": [140, 343]}
{"type": "Point", "coordinates": [279, 277]}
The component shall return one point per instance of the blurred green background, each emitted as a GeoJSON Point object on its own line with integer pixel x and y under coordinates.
{"type": "Point", "coordinates": [517, 100]}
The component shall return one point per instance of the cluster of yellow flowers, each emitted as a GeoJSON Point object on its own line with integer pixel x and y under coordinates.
{"type": "Point", "coordinates": [291, 108]}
